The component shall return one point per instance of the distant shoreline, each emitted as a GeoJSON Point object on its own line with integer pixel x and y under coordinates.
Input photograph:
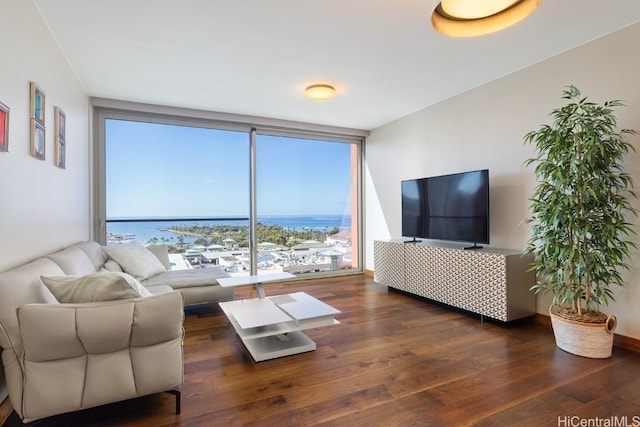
{"type": "Point", "coordinates": [168, 231]}
{"type": "Point", "coordinates": [186, 233]}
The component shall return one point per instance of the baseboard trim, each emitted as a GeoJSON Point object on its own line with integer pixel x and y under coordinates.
{"type": "Point", "coordinates": [628, 343]}
{"type": "Point", "coordinates": [368, 273]}
{"type": "Point", "coordinates": [5, 410]}
{"type": "Point", "coordinates": [621, 341]}
{"type": "Point", "coordinates": [543, 320]}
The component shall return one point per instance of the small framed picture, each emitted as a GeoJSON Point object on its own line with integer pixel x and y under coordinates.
{"type": "Point", "coordinates": [37, 102]}
{"type": "Point", "coordinates": [61, 154]}
{"type": "Point", "coordinates": [4, 127]}
{"type": "Point", "coordinates": [37, 139]}
{"type": "Point", "coordinates": [59, 126]}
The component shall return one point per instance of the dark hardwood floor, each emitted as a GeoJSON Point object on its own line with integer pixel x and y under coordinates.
{"type": "Point", "coordinates": [394, 360]}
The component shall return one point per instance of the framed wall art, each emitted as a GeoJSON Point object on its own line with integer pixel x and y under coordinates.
{"type": "Point", "coordinates": [37, 102]}
{"type": "Point", "coordinates": [59, 125]}
{"type": "Point", "coordinates": [4, 127]}
{"type": "Point", "coordinates": [37, 139]}
{"type": "Point", "coordinates": [37, 121]}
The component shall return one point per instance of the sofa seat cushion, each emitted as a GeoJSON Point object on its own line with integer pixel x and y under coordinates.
{"type": "Point", "coordinates": [136, 260]}
{"type": "Point", "coordinates": [179, 279]}
{"type": "Point", "coordinates": [101, 286]}
{"type": "Point", "coordinates": [160, 289]}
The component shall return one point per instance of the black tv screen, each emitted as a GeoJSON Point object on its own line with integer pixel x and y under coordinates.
{"type": "Point", "coordinates": [448, 207]}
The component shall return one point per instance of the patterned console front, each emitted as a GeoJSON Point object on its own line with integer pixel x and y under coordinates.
{"type": "Point", "coordinates": [493, 283]}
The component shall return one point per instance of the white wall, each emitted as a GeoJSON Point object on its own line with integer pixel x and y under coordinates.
{"type": "Point", "coordinates": [484, 128]}
{"type": "Point", "coordinates": [42, 208]}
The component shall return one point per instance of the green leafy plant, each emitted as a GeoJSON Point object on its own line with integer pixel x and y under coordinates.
{"type": "Point", "coordinates": [579, 208]}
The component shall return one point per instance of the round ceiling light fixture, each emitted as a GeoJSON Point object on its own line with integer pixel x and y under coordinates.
{"type": "Point", "coordinates": [320, 91]}
{"type": "Point", "coordinates": [470, 18]}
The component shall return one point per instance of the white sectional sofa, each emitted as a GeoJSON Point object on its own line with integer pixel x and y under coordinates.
{"type": "Point", "coordinates": [62, 357]}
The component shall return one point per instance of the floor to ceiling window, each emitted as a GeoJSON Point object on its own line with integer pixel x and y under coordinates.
{"type": "Point", "coordinates": [306, 196]}
{"type": "Point", "coordinates": [186, 184]}
{"type": "Point", "coordinates": [183, 186]}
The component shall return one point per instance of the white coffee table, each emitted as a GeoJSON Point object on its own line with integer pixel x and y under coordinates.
{"type": "Point", "coordinates": [270, 327]}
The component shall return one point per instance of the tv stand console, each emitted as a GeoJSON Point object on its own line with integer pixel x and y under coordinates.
{"type": "Point", "coordinates": [490, 282]}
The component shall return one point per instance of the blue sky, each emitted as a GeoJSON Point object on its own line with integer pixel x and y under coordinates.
{"type": "Point", "coordinates": [156, 170]}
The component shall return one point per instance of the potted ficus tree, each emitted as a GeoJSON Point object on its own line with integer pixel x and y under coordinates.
{"type": "Point", "coordinates": [580, 211]}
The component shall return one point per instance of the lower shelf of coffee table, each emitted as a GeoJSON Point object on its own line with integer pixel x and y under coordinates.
{"type": "Point", "coordinates": [271, 347]}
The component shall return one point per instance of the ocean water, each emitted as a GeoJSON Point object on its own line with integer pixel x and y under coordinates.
{"type": "Point", "coordinates": [144, 231]}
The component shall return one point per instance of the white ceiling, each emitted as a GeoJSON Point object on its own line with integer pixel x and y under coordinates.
{"type": "Point", "coordinates": [255, 57]}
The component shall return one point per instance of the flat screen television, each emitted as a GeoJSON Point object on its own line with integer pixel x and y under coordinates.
{"type": "Point", "coordinates": [448, 207]}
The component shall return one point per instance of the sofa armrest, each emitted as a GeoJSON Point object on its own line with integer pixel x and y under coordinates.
{"type": "Point", "coordinates": [98, 352]}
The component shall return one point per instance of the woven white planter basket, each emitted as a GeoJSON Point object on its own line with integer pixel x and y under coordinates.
{"type": "Point", "coordinates": [583, 339]}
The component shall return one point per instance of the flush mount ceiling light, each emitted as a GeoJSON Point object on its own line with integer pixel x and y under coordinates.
{"type": "Point", "coordinates": [469, 18]}
{"type": "Point", "coordinates": [320, 91]}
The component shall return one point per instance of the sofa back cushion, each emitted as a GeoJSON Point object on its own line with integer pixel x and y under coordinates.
{"type": "Point", "coordinates": [95, 253]}
{"type": "Point", "coordinates": [73, 261]}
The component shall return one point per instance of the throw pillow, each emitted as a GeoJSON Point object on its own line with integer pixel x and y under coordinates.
{"type": "Point", "coordinates": [135, 259]}
{"type": "Point", "coordinates": [162, 253]}
{"type": "Point", "coordinates": [111, 265]}
{"type": "Point", "coordinates": [101, 286]}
